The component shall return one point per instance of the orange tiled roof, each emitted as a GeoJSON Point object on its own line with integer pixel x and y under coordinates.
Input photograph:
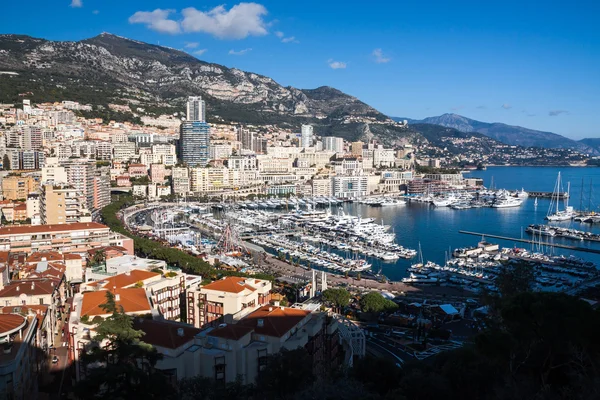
{"type": "Point", "coordinates": [231, 331]}
{"type": "Point", "coordinates": [164, 333]}
{"type": "Point", "coordinates": [124, 280]}
{"type": "Point", "coordinates": [30, 287]}
{"type": "Point", "coordinates": [132, 300]}
{"type": "Point", "coordinates": [48, 255]}
{"type": "Point", "coordinates": [277, 321]}
{"type": "Point", "coordinates": [231, 284]}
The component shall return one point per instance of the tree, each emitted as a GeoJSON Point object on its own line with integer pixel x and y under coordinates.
{"type": "Point", "coordinates": [515, 278]}
{"type": "Point", "coordinates": [118, 364]}
{"type": "Point", "coordinates": [6, 163]}
{"type": "Point", "coordinates": [375, 302]}
{"type": "Point", "coordinates": [99, 257]}
{"type": "Point", "coordinates": [338, 297]}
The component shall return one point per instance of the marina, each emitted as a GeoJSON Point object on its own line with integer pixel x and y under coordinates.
{"type": "Point", "coordinates": [344, 231]}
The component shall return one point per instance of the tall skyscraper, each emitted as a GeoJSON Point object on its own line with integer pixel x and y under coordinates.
{"type": "Point", "coordinates": [196, 109]}
{"type": "Point", "coordinates": [194, 140]}
{"type": "Point", "coordinates": [307, 136]}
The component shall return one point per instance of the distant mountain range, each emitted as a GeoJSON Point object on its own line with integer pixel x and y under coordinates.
{"type": "Point", "coordinates": [509, 134]}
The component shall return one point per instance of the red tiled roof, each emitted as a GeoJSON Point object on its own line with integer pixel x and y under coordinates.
{"type": "Point", "coordinates": [30, 229]}
{"type": "Point", "coordinates": [48, 255]}
{"type": "Point", "coordinates": [276, 321]}
{"type": "Point", "coordinates": [164, 333]}
{"type": "Point", "coordinates": [9, 322]}
{"type": "Point", "coordinates": [71, 256]}
{"type": "Point", "coordinates": [231, 331]}
{"type": "Point", "coordinates": [124, 280]}
{"type": "Point", "coordinates": [30, 287]}
{"type": "Point", "coordinates": [231, 284]}
{"type": "Point", "coordinates": [131, 299]}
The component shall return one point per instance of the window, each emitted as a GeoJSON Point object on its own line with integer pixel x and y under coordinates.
{"type": "Point", "coordinates": [220, 369]}
{"type": "Point", "coordinates": [262, 360]}
{"type": "Point", "coordinates": [41, 301]}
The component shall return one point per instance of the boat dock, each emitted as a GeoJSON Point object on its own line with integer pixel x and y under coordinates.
{"type": "Point", "coordinates": [548, 195]}
{"type": "Point", "coordinates": [560, 246]}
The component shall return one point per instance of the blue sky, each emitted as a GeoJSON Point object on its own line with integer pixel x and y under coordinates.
{"type": "Point", "coordinates": [522, 62]}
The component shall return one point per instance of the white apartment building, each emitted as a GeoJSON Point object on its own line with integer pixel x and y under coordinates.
{"type": "Point", "coordinates": [306, 137]}
{"type": "Point", "coordinates": [350, 186]}
{"type": "Point", "coordinates": [124, 152]}
{"type": "Point", "coordinates": [242, 163]}
{"type": "Point", "coordinates": [227, 299]}
{"type": "Point", "coordinates": [180, 180]}
{"type": "Point", "coordinates": [321, 187]}
{"type": "Point", "coordinates": [219, 151]}
{"type": "Point", "coordinates": [272, 165]}
{"type": "Point", "coordinates": [384, 158]}
{"type": "Point", "coordinates": [332, 143]}
{"type": "Point", "coordinates": [53, 172]}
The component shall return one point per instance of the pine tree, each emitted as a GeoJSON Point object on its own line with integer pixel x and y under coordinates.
{"type": "Point", "coordinates": [118, 364]}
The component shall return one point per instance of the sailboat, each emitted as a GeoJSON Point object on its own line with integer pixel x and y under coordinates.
{"type": "Point", "coordinates": [560, 215]}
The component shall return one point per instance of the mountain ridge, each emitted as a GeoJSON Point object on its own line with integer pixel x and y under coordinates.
{"type": "Point", "coordinates": [509, 134]}
{"type": "Point", "coordinates": [105, 62]}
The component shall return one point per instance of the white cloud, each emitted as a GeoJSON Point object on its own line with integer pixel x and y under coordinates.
{"type": "Point", "coordinates": [76, 3]}
{"type": "Point", "coordinates": [191, 45]}
{"type": "Point", "coordinates": [157, 20]}
{"type": "Point", "coordinates": [241, 21]}
{"type": "Point", "coordinates": [336, 64]}
{"type": "Point", "coordinates": [239, 52]}
{"type": "Point", "coordinates": [506, 106]}
{"type": "Point", "coordinates": [291, 39]}
{"type": "Point", "coordinates": [379, 57]}
{"type": "Point", "coordinates": [200, 52]}
{"type": "Point", "coordinates": [279, 34]}
{"type": "Point", "coordinates": [95, 12]}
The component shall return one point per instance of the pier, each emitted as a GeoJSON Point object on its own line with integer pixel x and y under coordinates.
{"type": "Point", "coordinates": [561, 246]}
{"type": "Point", "coordinates": [549, 195]}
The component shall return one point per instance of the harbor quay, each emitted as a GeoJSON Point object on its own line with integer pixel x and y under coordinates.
{"type": "Point", "coordinates": [274, 265]}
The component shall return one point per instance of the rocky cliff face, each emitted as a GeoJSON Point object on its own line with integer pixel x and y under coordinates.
{"type": "Point", "coordinates": [116, 69]}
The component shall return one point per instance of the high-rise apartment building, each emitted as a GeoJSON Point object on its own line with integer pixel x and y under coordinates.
{"type": "Point", "coordinates": [196, 109]}
{"type": "Point", "coordinates": [193, 144]}
{"type": "Point", "coordinates": [333, 143]}
{"type": "Point", "coordinates": [62, 205]}
{"type": "Point", "coordinates": [307, 136]}
{"type": "Point", "coordinates": [101, 191]}
{"type": "Point", "coordinates": [80, 175]}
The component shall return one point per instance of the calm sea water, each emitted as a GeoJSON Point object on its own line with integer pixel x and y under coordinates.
{"type": "Point", "coordinates": [437, 229]}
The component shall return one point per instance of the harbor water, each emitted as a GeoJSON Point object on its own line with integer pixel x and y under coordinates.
{"type": "Point", "coordinates": [437, 229]}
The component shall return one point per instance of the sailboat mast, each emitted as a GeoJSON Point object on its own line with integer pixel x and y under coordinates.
{"type": "Point", "coordinates": [557, 191]}
{"type": "Point", "coordinates": [581, 197]}
{"type": "Point", "coordinates": [590, 199]}
{"type": "Point", "coordinates": [568, 195]}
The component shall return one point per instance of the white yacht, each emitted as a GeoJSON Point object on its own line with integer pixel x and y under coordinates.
{"type": "Point", "coordinates": [560, 215]}
{"type": "Point", "coordinates": [506, 202]}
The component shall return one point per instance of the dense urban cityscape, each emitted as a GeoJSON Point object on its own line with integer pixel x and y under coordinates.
{"type": "Point", "coordinates": [173, 226]}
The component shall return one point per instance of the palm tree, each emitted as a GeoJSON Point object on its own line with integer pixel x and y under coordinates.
{"type": "Point", "coordinates": [99, 257]}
